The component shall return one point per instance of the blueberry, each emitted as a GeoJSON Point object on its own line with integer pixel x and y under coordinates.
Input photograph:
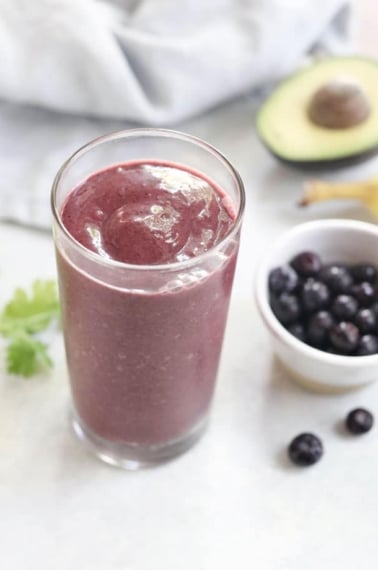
{"type": "Point", "coordinates": [344, 336]}
{"type": "Point", "coordinates": [364, 272]}
{"type": "Point", "coordinates": [374, 308]}
{"type": "Point", "coordinates": [366, 320]}
{"type": "Point", "coordinates": [333, 307]}
{"type": "Point", "coordinates": [286, 308]}
{"type": "Point", "coordinates": [332, 350]}
{"type": "Point", "coordinates": [305, 449]}
{"type": "Point", "coordinates": [282, 279]}
{"type": "Point", "coordinates": [306, 263]}
{"type": "Point", "coordinates": [337, 277]}
{"type": "Point", "coordinates": [344, 307]}
{"type": "Point", "coordinates": [359, 421]}
{"type": "Point", "coordinates": [318, 328]}
{"type": "Point", "coordinates": [368, 345]}
{"type": "Point", "coordinates": [315, 295]}
{"type": "Point", "coordinates": [364, 292]}
{"type": "Point", "coordinates": [297, 330]}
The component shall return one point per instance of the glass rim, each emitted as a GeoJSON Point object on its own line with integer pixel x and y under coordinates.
{"type": "Point", "coordinates": [133, 133]}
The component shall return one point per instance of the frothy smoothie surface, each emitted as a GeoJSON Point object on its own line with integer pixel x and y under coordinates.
{"type": "Point", "coordinates": [148, 213]}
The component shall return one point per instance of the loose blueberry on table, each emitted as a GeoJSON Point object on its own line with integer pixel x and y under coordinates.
{"type": "Point", "coordinates": [330, 306]}
{"type": "Point", "coordinates": [305, 449]}
{"type": "Point", "coordinates": [359, 421]}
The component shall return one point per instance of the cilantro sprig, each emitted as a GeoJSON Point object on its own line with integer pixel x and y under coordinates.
{"type": "Point", "coordinates": [27, 356]}
{"type": "Point", "coordinates": [21, 321]}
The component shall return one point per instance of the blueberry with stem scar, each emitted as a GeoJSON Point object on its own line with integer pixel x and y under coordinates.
{"type": "Point", "coordinates": [306, 263]}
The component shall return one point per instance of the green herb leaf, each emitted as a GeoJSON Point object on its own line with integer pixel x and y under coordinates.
{"type": "Point", "coordinates": [30, 313]}
{"type": "Point", "coordinates": [27, 356]}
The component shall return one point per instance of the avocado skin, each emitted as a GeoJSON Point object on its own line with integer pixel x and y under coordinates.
{"type": "Point", "coordinates": [319, 165]}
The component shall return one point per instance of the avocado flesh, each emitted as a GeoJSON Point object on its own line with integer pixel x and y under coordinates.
{"type": "Point", "coordinates": [285, 128]}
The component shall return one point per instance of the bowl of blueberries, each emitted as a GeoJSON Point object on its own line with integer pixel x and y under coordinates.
{"type": "Point", "coordinates": [317, 293]}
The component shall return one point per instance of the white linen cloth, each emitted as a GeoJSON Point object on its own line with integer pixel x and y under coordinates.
{"type": "Point", "coordinates": [155, 61]}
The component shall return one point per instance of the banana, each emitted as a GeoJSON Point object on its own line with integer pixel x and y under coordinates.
{"type": "Point", "coordinates": [365, 191]}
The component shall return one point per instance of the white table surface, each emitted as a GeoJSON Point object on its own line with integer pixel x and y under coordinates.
{"type": "Point", "coordinates": [233, 501]}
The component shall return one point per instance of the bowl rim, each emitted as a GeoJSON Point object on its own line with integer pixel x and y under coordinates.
{"type": "Point", "coordinates": [261, 293]}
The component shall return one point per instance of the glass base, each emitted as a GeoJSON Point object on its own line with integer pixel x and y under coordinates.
{"type": "Point", "coordinates": [134, 456]}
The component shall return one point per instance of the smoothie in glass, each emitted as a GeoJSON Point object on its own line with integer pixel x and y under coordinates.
{"type": "Point", "coordinates": [146, 262]}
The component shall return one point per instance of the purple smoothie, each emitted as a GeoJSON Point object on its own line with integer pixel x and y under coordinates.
{"type": "Point", "coordinates": [143, 364]}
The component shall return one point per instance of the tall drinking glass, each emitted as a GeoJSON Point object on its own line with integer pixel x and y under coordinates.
{"type": "Point", "coordinates": [143, 341]}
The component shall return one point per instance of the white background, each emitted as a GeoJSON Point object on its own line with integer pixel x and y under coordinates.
{"type": "Point", "coordinates": [233, 501]}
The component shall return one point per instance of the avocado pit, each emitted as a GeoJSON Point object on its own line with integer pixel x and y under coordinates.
{"type": "Point", "coordinates": [339, 104]}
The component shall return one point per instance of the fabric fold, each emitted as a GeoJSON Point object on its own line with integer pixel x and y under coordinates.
{"type": "Point", "coordinates": [156, 61]}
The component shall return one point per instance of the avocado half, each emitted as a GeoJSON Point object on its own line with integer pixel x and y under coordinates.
{"type": "Point", "coordinates": [333, 87]}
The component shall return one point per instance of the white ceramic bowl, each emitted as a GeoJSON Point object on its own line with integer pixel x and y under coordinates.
{"type": "Point", "coordinates": [334, 240]}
